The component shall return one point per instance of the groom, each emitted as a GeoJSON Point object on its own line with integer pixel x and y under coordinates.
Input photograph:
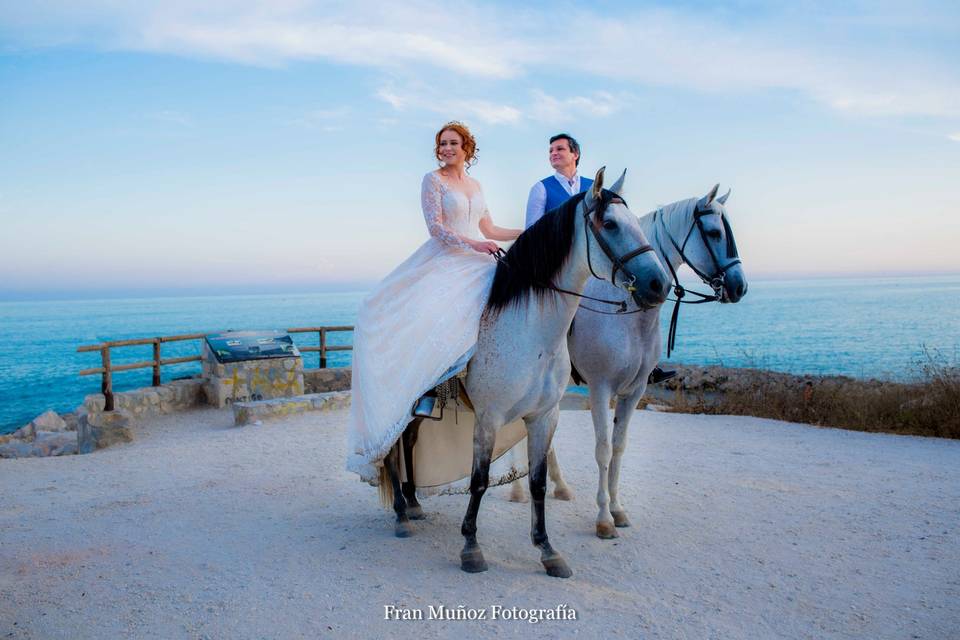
{"type": "Point", "coordinates": [553, 191]}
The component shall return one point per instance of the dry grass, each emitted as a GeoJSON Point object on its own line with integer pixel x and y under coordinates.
{"type": "Point", "coordinates": [929, 407]}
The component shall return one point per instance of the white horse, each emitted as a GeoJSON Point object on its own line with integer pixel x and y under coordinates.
{"type": "Point", "coordinates": [521, 365]}
{"type": "Point", "coordinates": [614, 354]}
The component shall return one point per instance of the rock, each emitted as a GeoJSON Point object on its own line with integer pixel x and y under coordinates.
{"type": "Point", "coordinates": [46, 443]}
{"type": "Point", "coordinates": [49, 420]}
{"type": "Point", "coordinates": [26, 433]}
{"type": "Point", "coordinates": [70, 419]}
{"type": "Point", "coordinates": [100, 430]}
{"type": "Point", "coordinates": [94, 403]}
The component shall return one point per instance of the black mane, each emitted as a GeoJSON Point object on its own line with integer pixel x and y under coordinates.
{"type": "Point", "coordinates": [535, 257]}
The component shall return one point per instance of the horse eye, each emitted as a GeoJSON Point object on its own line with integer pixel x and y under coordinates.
{"type": "Point", "coordinates": [713, 235]}
{"type": "Point", "coordinates": [610, 225]}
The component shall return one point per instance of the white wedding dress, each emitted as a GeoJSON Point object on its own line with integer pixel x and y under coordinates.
{"type": "Point", "coordinates": [419, 326]}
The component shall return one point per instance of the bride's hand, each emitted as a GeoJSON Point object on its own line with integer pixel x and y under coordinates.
{"type": "Point", "coordinates": [485, 246]}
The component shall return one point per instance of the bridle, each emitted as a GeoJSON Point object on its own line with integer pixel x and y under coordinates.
{"type": "Point", "coordinates": [715, 282]}
{"type": "Point", "coordinates": [599, 207]}
{"type": "Point", "coordinates": [619, 263]}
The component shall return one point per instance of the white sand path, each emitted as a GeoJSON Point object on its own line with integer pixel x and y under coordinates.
{"type": "Point", "coordinates": [743, 528]}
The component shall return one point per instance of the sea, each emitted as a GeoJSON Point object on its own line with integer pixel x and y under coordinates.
{"type": "Point", "coordinates": [880, 327]}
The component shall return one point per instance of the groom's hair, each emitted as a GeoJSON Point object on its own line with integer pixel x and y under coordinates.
{"type": "Point", "coordinates": [574, 145]}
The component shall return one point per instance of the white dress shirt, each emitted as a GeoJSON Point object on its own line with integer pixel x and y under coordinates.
{"type": "Point", "coordinates": [537, 200]}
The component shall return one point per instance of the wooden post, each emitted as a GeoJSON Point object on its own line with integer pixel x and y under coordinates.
{"type": "Point", "coordinates": [106, 385]}
{"type": "Point", "coordinates": [156, 362]}
{"type": "Point", "coordinates": [323, 348]}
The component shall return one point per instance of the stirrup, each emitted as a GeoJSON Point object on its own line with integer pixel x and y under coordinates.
{"type": "Point", "coordinates": [423, 408]}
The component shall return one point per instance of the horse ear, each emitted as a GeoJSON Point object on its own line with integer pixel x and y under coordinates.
{"type": "Point", "coordinates": [617, 187]}
{"type": "Point", "coordinates": [705, 201]}
{"type": "Point", "coordinates": [594, 193]}
{"type": "Point", "coordinates": [723, 199]}
{"type": "Point", "coordinates": [598, 182]}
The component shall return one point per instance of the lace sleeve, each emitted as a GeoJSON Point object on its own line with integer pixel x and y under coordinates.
{"type": "Point", "coordinates": [486, 209]}
{"type": "Point", "coordinates": [433, 213]}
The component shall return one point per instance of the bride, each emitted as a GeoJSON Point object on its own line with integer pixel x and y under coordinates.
{"type": "Point", "coordinates": [421, 323]}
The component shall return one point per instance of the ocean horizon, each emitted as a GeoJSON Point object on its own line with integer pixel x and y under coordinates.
{"type": "Point", "coordinates": [885, 327]}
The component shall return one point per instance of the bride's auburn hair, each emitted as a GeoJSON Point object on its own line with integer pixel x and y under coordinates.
{"type": "Point", "coordinates": [469, 142]}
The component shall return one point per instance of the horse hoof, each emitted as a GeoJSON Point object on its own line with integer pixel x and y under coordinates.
{"type": "Point", "coordinates": [563, 493]}
{"type": "Point", "coordinates": [472, 561]}
{"type": "Point", "coordinates": [518, 495]}
{"type": "Point", "coordinates": [606, 531]}
{"type": "Point", "coordinates": [415, 513]}
{"type": "Point", "coordinates": [620, 519]}
{"type": "Point", "coordinates": [557, 567]}
{"type": "Point", "coordinates": [403, 530]}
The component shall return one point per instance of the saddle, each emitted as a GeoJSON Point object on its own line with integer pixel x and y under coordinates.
{"type": "Point", "coordinates": [451, 389]}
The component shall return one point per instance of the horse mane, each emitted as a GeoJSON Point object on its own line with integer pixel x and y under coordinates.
{"type": "Point", "coordinates": [684, 206]}
{"type": "Point", "coordinates": [535, 257]}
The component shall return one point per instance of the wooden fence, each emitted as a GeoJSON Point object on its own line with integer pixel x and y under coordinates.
{"type": "Point", "coordinates": [106, 369]}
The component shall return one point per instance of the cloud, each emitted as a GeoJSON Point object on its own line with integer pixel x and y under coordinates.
{"type": "Point", "coordinates": [466, 108]}
{"type": "Point", "coordinates": [547, 108]}
{"type": "Point", "coordinates": [871, 61]}
{"type": "Point", "coordinates": [955, 136]}
{"type": "Point", "coordinates": [542, 108]}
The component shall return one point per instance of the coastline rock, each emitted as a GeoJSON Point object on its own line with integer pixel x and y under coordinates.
{"type": "Point", "coordinates": [45, 444]}
{"type": "Point", "coordinates": [25, 433]}
{"type": "Point", "coordinates": [100, 430]}
{"type": "Point", "coordinates": [70, 419]}
{"type": "Point", "coordinates": [49, 420]}
{"type": "Point", "coordinates": [93, 403]}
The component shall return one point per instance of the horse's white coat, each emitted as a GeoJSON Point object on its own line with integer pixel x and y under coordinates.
{"type": "Point", "coordinates": [522, 362]}
{"type": "Point", "coordinates": [616, 353]}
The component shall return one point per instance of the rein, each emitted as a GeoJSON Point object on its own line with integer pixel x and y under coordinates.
{"type": "Point", "coordinates": [716, 282]}
{"type": "Point", "coordinates": [619, 264]}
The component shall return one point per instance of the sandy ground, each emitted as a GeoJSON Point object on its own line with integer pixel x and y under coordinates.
{"type": "Point", "coordinates": [743, 528]}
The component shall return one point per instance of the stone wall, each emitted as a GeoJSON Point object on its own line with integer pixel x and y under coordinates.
{"type": "Point", "coordinates": [254, 412]}
{"type": "Point", "coordinates": [177, 395]}
{"type": "Point", "coordinates": [324, 380]}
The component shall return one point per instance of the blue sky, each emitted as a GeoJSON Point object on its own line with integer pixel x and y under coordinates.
{"type": "Point", "coordinates": [249, 146]}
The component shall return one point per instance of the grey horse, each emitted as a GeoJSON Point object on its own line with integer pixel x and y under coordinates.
{"type": "Point", "coordinates": [522, 363]}
{"type": "Point", "coordinates": [614, 354]}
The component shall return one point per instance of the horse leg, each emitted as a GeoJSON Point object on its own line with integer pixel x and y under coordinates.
{"type": "Point", "coordinates": [621, 421]}
{"type": "Point", "coordinates": [600, 410]}
{"type": "Point", "coordinates": [484, 435]}
{"type": "Point", "coordinates": [561, 490]}
{"type": "Point", "coordinates": [539, 434]}
{"type": "Point", "coordinates": [517, 492]}
{"type": "Point", "coordinates": [392, 463]}
{"type": "Point", "coordinates": [414, 510]}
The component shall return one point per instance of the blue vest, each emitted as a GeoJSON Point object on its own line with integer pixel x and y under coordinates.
{"type": "Point", "coordinates": [557, 195]}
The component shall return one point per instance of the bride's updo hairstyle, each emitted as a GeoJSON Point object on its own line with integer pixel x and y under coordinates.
{"type": "Point", "coordinates": [469, 142]}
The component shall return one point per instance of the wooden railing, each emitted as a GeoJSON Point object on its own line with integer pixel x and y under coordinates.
{"type": "Point", "coordinates": [324, 347]}
{"type": "Point", "coordinates": [106, 369]}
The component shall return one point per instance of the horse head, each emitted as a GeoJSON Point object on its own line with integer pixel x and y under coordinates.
{"type": "Point", "coordinates": [714, 257]}
{"type": "Point", "coordinates": [619, 246]}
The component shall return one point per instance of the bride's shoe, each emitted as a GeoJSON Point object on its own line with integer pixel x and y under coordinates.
{"type": "Point", "coordinates": [423, 408]}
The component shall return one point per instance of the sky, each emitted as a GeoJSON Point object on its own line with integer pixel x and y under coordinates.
{"type": "Point", "coordinates": [182, 147]}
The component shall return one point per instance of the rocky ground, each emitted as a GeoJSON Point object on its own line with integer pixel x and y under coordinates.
{"type": "Point", "coordinates": [743, 528]}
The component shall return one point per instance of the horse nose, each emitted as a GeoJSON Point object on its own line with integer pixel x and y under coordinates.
{"type": "Point", "coordinates": [742, 290]}
{"type": "Point", "coordinates": [656, 286]}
